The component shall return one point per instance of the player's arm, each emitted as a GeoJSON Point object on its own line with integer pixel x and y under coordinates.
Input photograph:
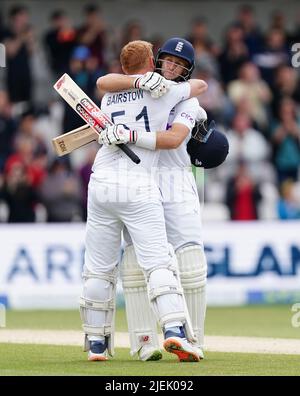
{"type": "Point", "coordinates": [150, 81]}
{"type": "Point", "coordinates": [187, 113]}
{"type": "Point", "coordinates": [198, 87]}
{"type": "Point", "coordinates": [114, 82]}
{"type": "Point", "coordinates": [172, 138]}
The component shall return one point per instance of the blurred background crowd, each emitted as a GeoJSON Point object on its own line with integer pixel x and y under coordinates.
{"type": "Point", "coordinates": [253, 95]}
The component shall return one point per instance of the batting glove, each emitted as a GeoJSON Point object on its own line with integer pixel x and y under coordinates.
{"type": "Point", "coordinates": [117, 134]}
{"type": "Point", "coordinates": [153, 83]}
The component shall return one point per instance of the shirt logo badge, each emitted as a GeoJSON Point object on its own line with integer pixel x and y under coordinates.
{"type": "Point", "coordinates": [179, 46]}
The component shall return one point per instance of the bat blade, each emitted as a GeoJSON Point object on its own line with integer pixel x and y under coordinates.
{"type": "Point", "coordinates": [70, 141]}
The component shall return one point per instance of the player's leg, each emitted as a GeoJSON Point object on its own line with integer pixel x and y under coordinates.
{"type": "Point", "coordinates": [97, 303]}
{"type": "Point", "coordinates": [142, 324]}
{"type": "Point", "coordinates": [184, 231]}
{"type": "Point", "coordinates": [193, 273]}
{"type": "Point", "coordinates": [159, 264]}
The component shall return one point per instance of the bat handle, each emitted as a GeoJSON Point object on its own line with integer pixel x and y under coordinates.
{"type": "Point", "coordinates": [131, 154]}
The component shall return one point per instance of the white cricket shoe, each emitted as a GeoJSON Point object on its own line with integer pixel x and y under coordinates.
{"type": "Point", "coordinates": [149, 353]}
{"type": "Point", "coordinates": [185, 351]}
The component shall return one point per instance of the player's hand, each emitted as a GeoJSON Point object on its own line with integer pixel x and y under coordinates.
{"type": "Point", "coordinates": [117, 134]}
{"type": "Point", "coordinates": [154, 83]}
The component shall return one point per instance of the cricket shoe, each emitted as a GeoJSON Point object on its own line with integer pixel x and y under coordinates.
{"type": "Point", "coordinates": [97, 352]}
{"type": "Point", "coordinates": [175, 342]}
{"type": "Point", "coordinates": [149, 353]}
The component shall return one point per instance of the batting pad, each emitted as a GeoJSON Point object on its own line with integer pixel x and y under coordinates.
{"type": "Point", "coordinates": [193, 273]}
{"type": "Point", "coordinates": [141, 321]}
{"type": "Point", "coordinates": [97, 308]}
{"type": "Point", "coordinates": [167, 298]}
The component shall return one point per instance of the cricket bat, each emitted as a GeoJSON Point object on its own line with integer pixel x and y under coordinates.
{"type": "Point", "coordinates": [70, 141]}
{"type": "Point", "coordinates": [87, 109]}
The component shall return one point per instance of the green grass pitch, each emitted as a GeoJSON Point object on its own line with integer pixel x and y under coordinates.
{"type": "Point", "coordinates": [258, 321]}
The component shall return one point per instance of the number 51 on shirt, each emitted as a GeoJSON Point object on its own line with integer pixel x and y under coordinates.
{"type": "Point", "coordinates": [89, 112]}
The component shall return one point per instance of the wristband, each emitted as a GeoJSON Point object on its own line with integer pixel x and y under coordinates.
{"type": "Point", "coordinates": [136, 84]}
{"type": "Point", "coordinates": [146, 140]}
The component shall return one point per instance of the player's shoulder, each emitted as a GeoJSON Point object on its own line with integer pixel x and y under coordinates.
{"type": "Point", "coordinates": [181, 90]}
{"type": "Point", "coordinates": [191, 104]}
{"type": "Point", "coordinates": [177, 85]}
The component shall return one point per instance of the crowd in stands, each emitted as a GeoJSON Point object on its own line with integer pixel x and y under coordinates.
{"type": "Point", "coordinates": [253, 95]}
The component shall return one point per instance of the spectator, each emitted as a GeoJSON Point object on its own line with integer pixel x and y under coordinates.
{"type": "Point", "coordinates": [19, 47]}
{"type": "Point", "coordinates": [18, 194]}
{"type": "Point", "coordinates": [286, 84]}
{"type": "Point", "coordinates": [295, 35]}
{"type": "Point", "coordinates": [80, 73]}
{"type": "Point", "coordinates": [288, 208]}
{"type": "Point", "coordinates": [7, 129]}
{"type": "Point", "coordinates": [252, 33]}
{"type": "Point", "coordinates": [234, 54]}
{"type": "Point", "coordinates": [92, 34]}
{"type": "Point", "coordinates": [27, 128]}
{"type": "Point", "coordinates": [250, 87]}
{"type": "Point", "coordinates": [243, 195]}
{"type": "Point", "coordinates": [205, 50]}
{"type": "Point", "coordinates": [132, 31]}
{"type": "Point", "coordinates": [274, 54]}
{"type": "Point", "coordinates": [32, 161]}
{"type": "Point", "coordinates": [213, 100]}
{"type": "Point", "coordinates": [59, 42]}
{"type": "Point", "coordinates": [247, 144]}
{"type": "Point", "coordinates": [278, 21]}
{"type": "Point", "coordinates": [61, 193]}
{"type": "Point", "coordinates": [157, 42]}
{"type": "Point", "coordinates": [114, 66]}
{"type": "Point", "coordinates": [286, 142]}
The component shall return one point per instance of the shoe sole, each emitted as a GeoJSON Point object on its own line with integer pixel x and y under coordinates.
{"type": "Point", "coordinates": [97, 358]}
{"type": "Point", "coordinates": [157, 355]}
{"type": "Point", "coordinates": [173, 346]}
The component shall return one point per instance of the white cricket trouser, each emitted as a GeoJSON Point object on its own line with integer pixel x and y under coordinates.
{"type": "Point", "coordinates": [133, 201]}
{"type": "Point", "coordinates": [181, 208]}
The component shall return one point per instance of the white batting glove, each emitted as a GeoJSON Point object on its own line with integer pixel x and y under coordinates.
{"type": "Point", "coordinates": [117, 134]}
{"type": "Point", "coordinates": [154, 83]}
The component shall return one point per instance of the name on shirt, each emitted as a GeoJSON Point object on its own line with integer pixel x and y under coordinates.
{"type": "Point", "coordinates": [128, 96]}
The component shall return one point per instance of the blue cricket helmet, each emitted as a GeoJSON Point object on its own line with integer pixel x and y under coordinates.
{"type": "Point", "coordinates": [209, 153]}
{"type": "Point", "coordinates": [181, 48]}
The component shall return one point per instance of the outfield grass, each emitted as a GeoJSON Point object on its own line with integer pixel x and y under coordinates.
{"type": "Point", "coordinates": [260, 321]}
{"type": "Point", "coordinates": [256, 321]}
{"type": "Point", "coordinates": [28, 360]}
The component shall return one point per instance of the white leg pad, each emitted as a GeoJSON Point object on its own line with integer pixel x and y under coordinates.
{"type": "Point", "coordinates": [193, 274]}
{"type": "Point", "coordinates": [142, 324]}
{"type": "Point", "coordinates": [97, 308]}
{"type": "Point", "coordinates": [166, 296]}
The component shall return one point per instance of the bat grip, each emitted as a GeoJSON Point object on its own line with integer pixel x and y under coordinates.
{"type": "Point", "coordinates": [130, 153]}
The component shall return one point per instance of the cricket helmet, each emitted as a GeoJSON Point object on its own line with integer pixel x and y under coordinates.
{"type": "Point", "coordinates": [180, 48]}
{"type": "Point", "coordinates": [207, 150]}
